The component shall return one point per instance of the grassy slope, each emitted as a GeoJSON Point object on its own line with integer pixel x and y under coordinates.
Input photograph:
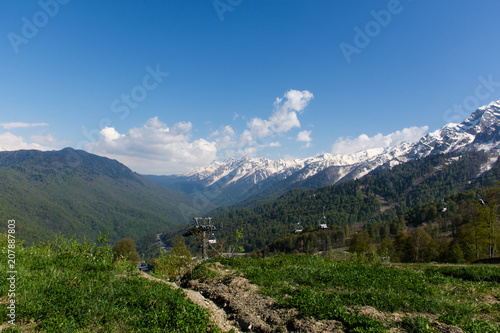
{"type": "Point", "coordinates": [67, 286]}
{"type": "Point", "coordinates": [325, 289]}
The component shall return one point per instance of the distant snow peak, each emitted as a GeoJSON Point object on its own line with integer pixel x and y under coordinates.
{"type": "Point", "coordinates": [495, 105]}
{"type": "Point", "coordinates": [480, 131]}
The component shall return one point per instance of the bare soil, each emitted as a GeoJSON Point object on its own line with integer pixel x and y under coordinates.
{"type": "Point", "coordinates": [397, 317]}
{"type": "Point", "coordinates": [254, 312]}
{"type": "Point", "coordinates": [217, 315]}
{"type": "Point", "coordinates": [235, 304]}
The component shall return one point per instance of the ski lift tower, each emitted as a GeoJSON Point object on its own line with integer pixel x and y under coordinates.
{"type": "Point", "coordinates": [204, 228]}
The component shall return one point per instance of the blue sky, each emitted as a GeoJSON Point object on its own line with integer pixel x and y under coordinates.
{"type": "Point", "coordinates": [168, 86]}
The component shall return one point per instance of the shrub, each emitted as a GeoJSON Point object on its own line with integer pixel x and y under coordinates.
{"type": "Point", "coordinates": [175, 264]}
{"type": "Point", "coordinates": [125, 249]}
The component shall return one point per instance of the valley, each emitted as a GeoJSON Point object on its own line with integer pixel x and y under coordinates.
{"type": "Point", "coordinates": [388, 239]}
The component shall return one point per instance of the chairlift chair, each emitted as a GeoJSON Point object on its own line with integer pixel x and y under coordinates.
{"type": "Point", "coordinates": [211, 239]}
{"type": "Point", "coordinates": [481, 201]}
{"type": "Point", "coordinates": [444, 206]}
{"type": "Point", "coordinates": [322, 221]}
{"type": "Point", "coordinates": [143, 266]}
{"type": "Point", "coordinates": [298, 227]}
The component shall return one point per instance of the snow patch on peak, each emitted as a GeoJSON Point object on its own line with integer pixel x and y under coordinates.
{"type": "Point", "coordinates": [480, 131]}
{"type": "Point", "coordinates": [492, 105]}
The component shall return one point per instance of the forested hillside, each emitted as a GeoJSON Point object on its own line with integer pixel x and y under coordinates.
{"type": "Point", "coordinates": [468, 230]}
{"type": "Point", "coordinates": [459, 228]}
{"type": "Point", "coordinates": [74, 192]}
{"type": "Point", "coordinates": [379, 198]}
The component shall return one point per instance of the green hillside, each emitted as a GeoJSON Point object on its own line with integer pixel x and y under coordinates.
{"type": "Point", "coordinates": [77, 193]}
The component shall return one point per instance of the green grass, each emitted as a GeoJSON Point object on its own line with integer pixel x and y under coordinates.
{"type": "Point", "coordinates": [326, 289]}
{"type": "Point", "coordinates": [489, 273]}
{"type": "Point", "coordinates": [65, 286]}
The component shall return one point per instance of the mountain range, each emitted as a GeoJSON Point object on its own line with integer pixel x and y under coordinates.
{"type": "Point", "coordinates": [246, 178]}
{"type": "Point", "coordinates": [76, 193]}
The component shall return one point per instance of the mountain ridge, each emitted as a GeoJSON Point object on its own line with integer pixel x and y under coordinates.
{"type": "Point", "coordinates": [236, 180]}
{"type": "Point", "coordinates": [78, 193]}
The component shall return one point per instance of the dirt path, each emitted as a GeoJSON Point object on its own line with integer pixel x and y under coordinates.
{"type": "Point", "coordinates": [217, 315]}
{"type": "Point", "coordinates": [253, 311]}
{"type": "Point", "coordinates": [235, 303]}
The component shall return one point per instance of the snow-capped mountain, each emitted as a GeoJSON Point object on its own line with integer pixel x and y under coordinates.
{"type": "Point", "coordinates": [234, 180]}
{"type": "Point", "coordinates": [478, 132]}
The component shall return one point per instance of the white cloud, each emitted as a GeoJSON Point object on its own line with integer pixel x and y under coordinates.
{"type": "Point", "coordinates": [9, 141]}
{"type": "Point", "coordinates": [182, 127]}
{"type": "Point", "coordinates": [224, 138]}
{"type": "Point", "coordinates": [47, 139]}
{"type": "Point", "coordinates": [347, 146]}
{"type": "Point", "coordinates": [248, 151]}
{"type": "Point", "coordinates": [269, 144]}
{"type": "Point", "coordinates": [260, 128]}
{"type": "Point", "coordinates": [296, 100]}
{"type": "Point", "coordinates": [283, 119]}
{"type": "Point", "coordinates": [21, 125]}
{"type": "Point", "coordinates": [109, 134]}
{"type": "Point", "coordinates": [155, 148]}
{"type": "Point", "coordinates": [159, 149]}
{"type": "Point", "coordinates": [246, 138]}
{"type": "Point", "coordinates": [305, 136]}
